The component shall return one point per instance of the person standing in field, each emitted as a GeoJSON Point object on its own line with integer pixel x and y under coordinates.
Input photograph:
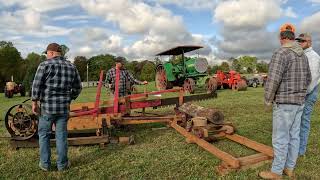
{"type": "Point", "coordinates": [305, 42]}
{"type": "Point", "coordinates": [286, 87]}
{"type": "Point", "coordinates": [126, 78]}
{"type": "Point", "coordinates": [55, 84]}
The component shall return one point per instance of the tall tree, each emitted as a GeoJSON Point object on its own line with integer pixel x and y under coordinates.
{"type": "Point", "coordinates": [32, 61]}
{"type": "Point", "coordinates": [10, 62]}
{"type": "Point", "coordinates": [81, 63]}
{"type": "Point", "coordinates": [147, 71]}
{"type": "Point", "coordinates": [248, 62]}
{"type": "Point", "coordinates": [133, 67]}
{"type": "Point", "coordinates": [224, 66]}
{"type": "Point", "coordinates": [98, 63]}
{"type": "Point", "coordinates": [262, 67]}
{"type": "Point", "coordinates": [214, 69]}
{"type": "Point", "coordinates": [236, 65]}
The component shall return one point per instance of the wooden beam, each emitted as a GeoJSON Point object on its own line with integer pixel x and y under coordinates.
{"type": "Point", "coordinates": [251, 144]}
{"type": "Point", "coordinates": [86, 140]}
{"type": "Point", "coordinates": [227, 158]}
{"type": "Point", "coordinates": [33, 143]}
{"type": "Point", "coordinates": [144, 121]}
{"type": "Point", "coordinates": [253, 159]}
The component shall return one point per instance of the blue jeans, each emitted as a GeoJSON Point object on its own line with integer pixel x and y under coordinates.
{"type": "Point", "coordinates": [44, 131]}
{"type": "Point", "coordinates": [285, 136]}
{"type": "Point", "coordinates": [311, 99]}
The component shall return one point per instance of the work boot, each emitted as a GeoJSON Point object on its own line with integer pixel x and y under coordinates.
{"type": "Point", "coordinates": [289, 173]}
{"type": "Point", "coordinates": [269, 175]}
{"type": "Point", "coordinates": [66, 167]}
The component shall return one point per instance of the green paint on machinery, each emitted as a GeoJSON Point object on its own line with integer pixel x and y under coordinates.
{"type": "Point", "coordinates": [189, 72]}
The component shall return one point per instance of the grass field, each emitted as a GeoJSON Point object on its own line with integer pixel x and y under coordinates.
{"type": "Point", "coordinates": [162, 154]}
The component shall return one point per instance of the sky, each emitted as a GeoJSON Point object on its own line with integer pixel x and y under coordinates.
{"type": "Point", "coordinates": [139, 29]}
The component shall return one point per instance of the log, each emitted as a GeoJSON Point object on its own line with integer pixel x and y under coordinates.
{"type": "Point", "coordinates": [212, 115]}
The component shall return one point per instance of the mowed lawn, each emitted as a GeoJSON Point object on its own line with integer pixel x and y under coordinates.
{"type": "Point", "coordinates": [161, 154]}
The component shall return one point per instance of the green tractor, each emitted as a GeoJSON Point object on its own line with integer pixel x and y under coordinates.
{"type": "Point", "coordinates": [189, 73]}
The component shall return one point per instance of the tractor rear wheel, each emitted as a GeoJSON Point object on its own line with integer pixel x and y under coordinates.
{"type": "Point", "coordinates": [189, 85]}
{"type": "Point", "coordinates": [161, 78]}
{"type": "Point", "coordinates": [211, 85]}
{"type": "Point", "coordinates": [241, 85]}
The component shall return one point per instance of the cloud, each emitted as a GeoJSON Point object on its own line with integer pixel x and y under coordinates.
{"type": "Point", "coordinates": [244, 27]}
{"type": "Point", "coordinates": [311, 24]}
{"type": "Point", "coordinates": [85, 50]}
{"type": "Point", "coordinates": [314, 1]}
{"type": "Point", "coordinates": [247, 13]}
{"type": "Point", "coordinates": [113, 44]}
{"type": "Point", "coordinates": [139, 29]}
{"type": "Point", "coordinates": [40, 6]}
{"type": "Point", "coordinates": [255, 43]}
{"type": "Point", "coordinates": [160, 29]}
{"type": "Point", "coordinates": [290, 13]}
{"type": "Point", "coordinates": [130, 17]}
{"type": "Point", "coordinates": [189, 4]}
{"type": "Point", "coordinates": [70, 17]}
{"type": "Point", "coordinates": [29, 22]}
{"type": "Point", "coordinates": [28, 19]}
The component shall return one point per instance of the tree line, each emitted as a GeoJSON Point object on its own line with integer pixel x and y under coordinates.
{"type": "Point", "coordinates": [24, 69]}
{"type": "Point", "coordinates": [243, 64]}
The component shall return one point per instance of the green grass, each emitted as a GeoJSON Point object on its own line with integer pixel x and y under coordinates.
{"type": "Point", "coordinates": [161, 154]}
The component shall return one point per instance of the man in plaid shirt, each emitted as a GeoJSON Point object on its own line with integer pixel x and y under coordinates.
{"type": "Point", "coordinates": [126, 78]}
{"type": "Point", "coordinates": [55, 84]}
{"type": "Point", "coordinates": [288, 79]}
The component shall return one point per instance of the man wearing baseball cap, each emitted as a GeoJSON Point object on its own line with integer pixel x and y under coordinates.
{"type": "Point", "coordinates": [286, 87]}
{"type": "Point", "coordinates": [55, 84]}
{"type": "Point", "coordinates": [126, 78]}
{"type": "Point", "coordinates": [305, 42]}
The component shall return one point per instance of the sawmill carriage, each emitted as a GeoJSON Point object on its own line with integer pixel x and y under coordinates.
{"type": "Point", "coordinates": [189, 73]}
{"type": "Point", "coordinates": [198, 124]}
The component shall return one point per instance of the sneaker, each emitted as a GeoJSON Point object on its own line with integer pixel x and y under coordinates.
{"type": "Point", "coordinates": [66, 167]}
{"type": "Point", "coordinates": [43, 168]}
{"type": "Point", "coordinates": [269, 175]}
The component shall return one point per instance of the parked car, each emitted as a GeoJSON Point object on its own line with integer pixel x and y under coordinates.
{"type": "Point", "coordinates": [253, 82]}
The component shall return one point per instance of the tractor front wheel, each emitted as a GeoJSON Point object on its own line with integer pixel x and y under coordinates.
{"type": "Point", "coordinates": [254, 84]}
{"type": "Point", "coordinates": [161, 78]}
{"type": "Point", "coordinates": [8, 94]}
{"type": "Point", "coordinates": [189, 85]}
{"type": "Point", "coordinates": [211, 85]}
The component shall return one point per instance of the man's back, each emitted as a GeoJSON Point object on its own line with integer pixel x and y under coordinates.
{"type": "Point", "coordinates": [289, 76]}
{"type": "Point", "coordinates": [56, 83]}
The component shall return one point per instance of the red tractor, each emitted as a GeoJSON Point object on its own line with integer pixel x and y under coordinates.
{"type": "Point", "coordinates": [231, 80]}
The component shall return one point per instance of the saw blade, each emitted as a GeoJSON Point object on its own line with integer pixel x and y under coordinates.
{"type": "Point", "coordinates": [197, 97]}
